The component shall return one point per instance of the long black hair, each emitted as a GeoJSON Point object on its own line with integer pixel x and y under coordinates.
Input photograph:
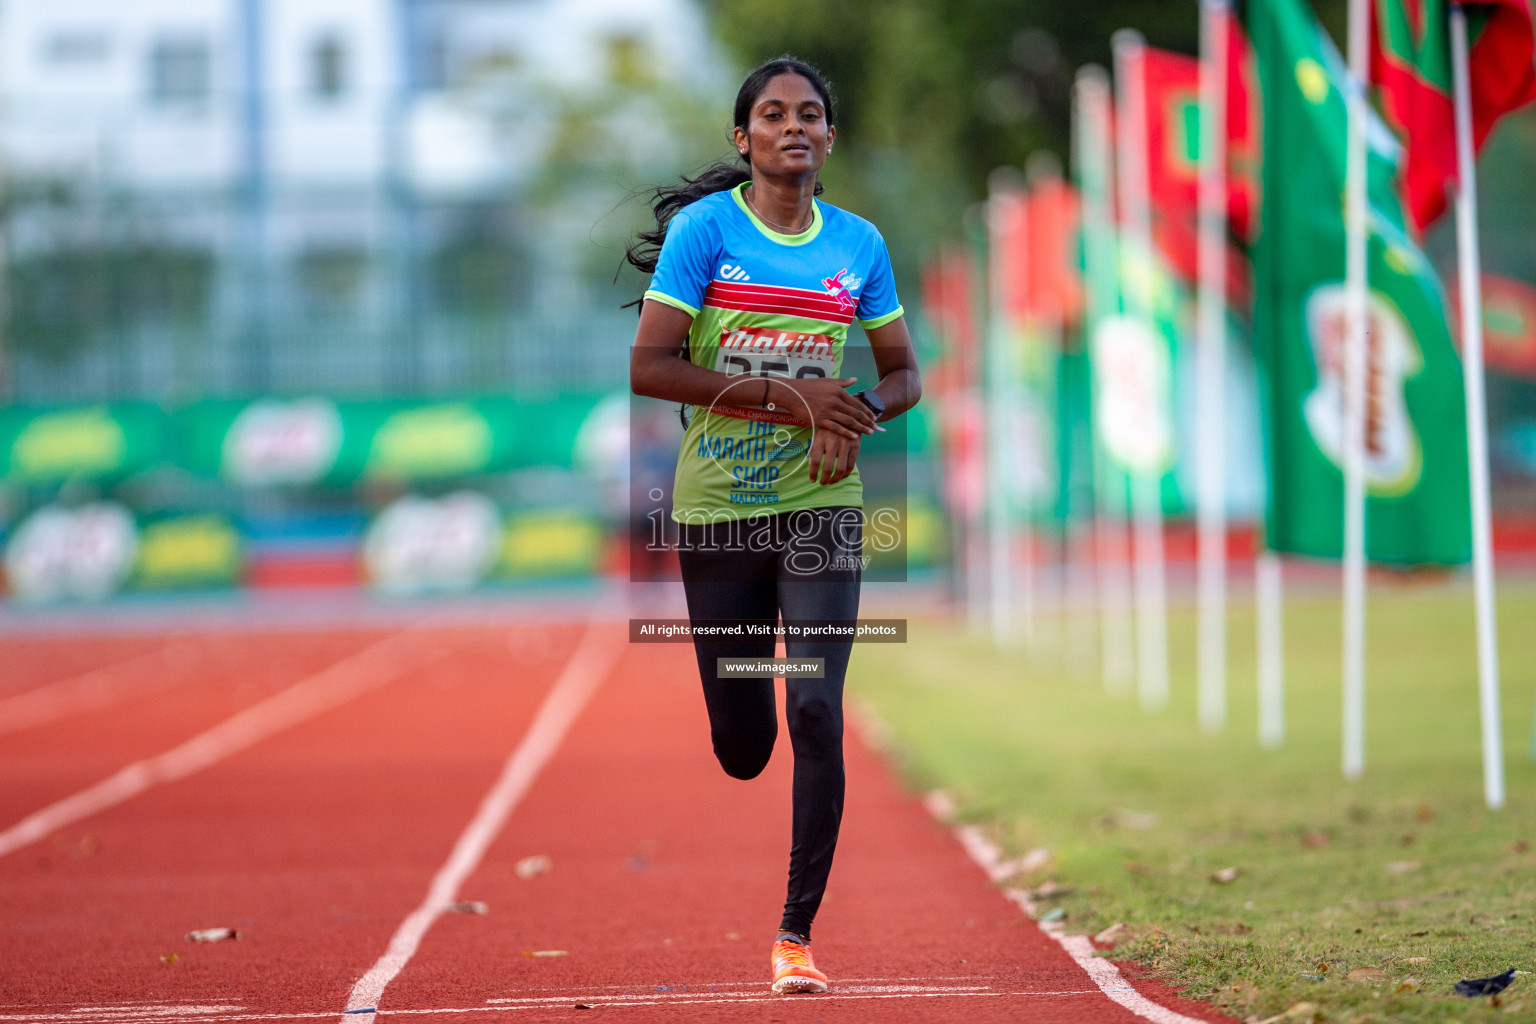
{"type": "Point", "coordinates": [666, 200]}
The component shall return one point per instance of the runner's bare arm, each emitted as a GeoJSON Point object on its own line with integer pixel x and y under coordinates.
{"type": "Point", "coordinates": [659, 369]}
{"type": "Point", "coordinates": [900, 384]}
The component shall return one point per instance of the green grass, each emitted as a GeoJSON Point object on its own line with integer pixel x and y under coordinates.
{"type": "Point", "coordinates": [1045, 757]}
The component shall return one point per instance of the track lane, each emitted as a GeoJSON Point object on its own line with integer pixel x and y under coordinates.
{"type": "Point", "coordinates": [54, 759]}
{"type": "Point", "coordinates": [583, 674]}
{"type": "Point", "coordinates": [181, 660]}
{"type": "Point", "coordinates": [32, 661]}
{"type": "Point", "coordinates": [666, 885]}
{"type": "Point", "coordinates": [99, 687]}
{"type": "Point", "coordinates": [668, 879]}
{"type": "Point", "coordinates": [314, 843]}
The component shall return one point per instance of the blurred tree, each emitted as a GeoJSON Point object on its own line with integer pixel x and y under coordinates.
{"type": "Point", "coordinates": [935, 94]}
{"type": "Point", "coordinates": [331, 278]}
{"type": "Point", "coordinates": [608, 143]}
{"type": "Point", "coordinates": [68, 297]}
{"type": "Point", "coordinates": [481, 266]}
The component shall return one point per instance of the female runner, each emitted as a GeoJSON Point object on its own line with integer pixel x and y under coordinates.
{"type": "Point", "coordinates": [754, 285]}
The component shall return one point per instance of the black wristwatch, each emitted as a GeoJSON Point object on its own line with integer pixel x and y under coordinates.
{"type": "Point", "coordinates": [873, 401]}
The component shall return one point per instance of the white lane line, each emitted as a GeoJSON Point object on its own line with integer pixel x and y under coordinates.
{"type": "Point", "coordinates": [59, 1018]}
{"type": "Point", "coordinates": [754, 992]}
{"type": "Point", "coordinates": [349, 678]}
{"type": "Point", "coordinates": [710, 986]}
{"type": "Point", "coordinates": [120, 1014]}
{"type": "Point", "coordinates": [98, 687]}
{"type": "Point", "coordinates": [194, 1014]}
{"type": "Point", "coordinates": [833, 996]}
{"type": "Point", "coordinates": [152, 1012]}
{"type": "Point", "coordinates": [989, 857]}
{"type": "Point", "coordinates": [594, 657]}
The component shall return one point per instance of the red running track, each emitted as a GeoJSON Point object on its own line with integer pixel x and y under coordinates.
{"type": "Point", "coordinates": [319, 841]}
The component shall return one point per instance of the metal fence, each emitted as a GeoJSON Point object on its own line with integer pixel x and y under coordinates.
{"type": "Point", "coordinates": [175, 298]}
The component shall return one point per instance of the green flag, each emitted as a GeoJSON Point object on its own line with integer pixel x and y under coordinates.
{"type": "Point", "coordinates": [1133, 354]}
{"type": "Point", "coordinates": [1417, 508]}
{"type": "Point", "coordinates": [1131, 324]}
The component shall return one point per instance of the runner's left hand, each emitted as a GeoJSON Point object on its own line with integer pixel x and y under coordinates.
{"type": "Point", "coordinates": [832, 456]}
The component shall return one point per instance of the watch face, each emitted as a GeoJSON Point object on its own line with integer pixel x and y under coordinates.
{"type": "Point", "coordinates": [873, 400]}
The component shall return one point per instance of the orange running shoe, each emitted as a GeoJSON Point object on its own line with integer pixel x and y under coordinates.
{"type": "Point", "coordinates": [793, 970]}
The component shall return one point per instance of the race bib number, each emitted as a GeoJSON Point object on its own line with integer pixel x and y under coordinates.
{"type": "Point", "coordinates": [770, 353]}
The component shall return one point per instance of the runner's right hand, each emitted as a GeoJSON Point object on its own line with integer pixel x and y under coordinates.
{"type": "Point", "coordinates": [831, 407]}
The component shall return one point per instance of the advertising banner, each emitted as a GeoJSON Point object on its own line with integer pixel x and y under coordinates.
{"type": "Point", "coordinates": [460, 540]}
{"type": "Point", "coordinates": [99, 548]}
{"type": "Point", "coordinates": [318, 441]}
{"type": "Point", "coordinates": [79, 443]}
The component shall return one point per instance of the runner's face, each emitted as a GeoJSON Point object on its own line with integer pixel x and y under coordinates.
{"type": "Point", "coordinates": [787, 133]}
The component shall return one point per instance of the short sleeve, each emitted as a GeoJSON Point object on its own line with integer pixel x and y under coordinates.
{"type": "Point", "coordinates": [686, 264]}
{"type": "Point", "coordinates": [878, 304]}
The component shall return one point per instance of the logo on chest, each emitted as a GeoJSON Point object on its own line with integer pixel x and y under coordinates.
{"type": "Point", "coordinates": [733, 272]}
{"type": "Point", "coordinates": [841, 287]}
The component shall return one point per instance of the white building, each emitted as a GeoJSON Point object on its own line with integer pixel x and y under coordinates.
{"type": "Point", "coordinates": [164, 94]}
{"type": "Point", "coordinates": [169, 93]}
{"type": "Point", "coordinates": [326, 144]}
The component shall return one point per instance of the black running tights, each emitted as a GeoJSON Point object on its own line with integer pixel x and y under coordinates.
{"type": "Point", "coordinates": [807, 570]}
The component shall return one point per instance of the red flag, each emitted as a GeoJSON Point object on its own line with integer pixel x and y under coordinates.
{"type": "Point", "coordinates": [1034, 251]}
{"type": "Point", "coordinates": [948, 295]}
{"type": "Point", "coordinates": [1055, 282]}
{"type": "Point", "coordinates": [1008, 250]}
{"type": "Point", "coordinates": [1173, 132]}
{"type": "Point", "coordinates": [1173, 160]}
{"type": "Point", "coordinates": [1411, 62]}
{"type": "Point", "coordinates": [965, 464]}
{"type": "Point", "coordinates": [1245, 134]}
{"type": "Point", "coordinates": [1173, 129]}
{"type": "Point", "coordinates": [947, 298]}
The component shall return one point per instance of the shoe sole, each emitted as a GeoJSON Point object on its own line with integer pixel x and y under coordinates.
{"type": "Point", "coordinates": [797, 984]}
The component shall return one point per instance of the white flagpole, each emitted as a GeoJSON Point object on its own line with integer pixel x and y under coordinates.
{"type": "Point", "coordinates": [1469, 272]}
{"type": "Point", "coordinates": [1111, 554]}
{"type": "Point", "coordinates": [1356, 286]}
{"type": "Point", "coordinates": [1269, 604]}
{"type": "Point", "coordinates": [973, 407]}
{"type": "Point", "coordinates": [1076, 606]}
{"type": "Point", "coordinates": [961, 407]}
{"type": "Point", "coordinates": [1000, 568]}
{"type": "Point", "coordinates": [1052, 576]}
{"type": "Point", "coordinates": [1024, 534]}
{"type": "Point", "coordinates": [1117, 637]}
{"type": "Point", "coordinates": [1146, 485]}
{"type": "Point", "coordinates": [1151, 593]}
{"type": "Point", "coordinates": [1211, 510]}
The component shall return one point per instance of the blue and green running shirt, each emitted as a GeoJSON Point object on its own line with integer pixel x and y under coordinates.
{"type": "Point", "coordinates": [765, 305]}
